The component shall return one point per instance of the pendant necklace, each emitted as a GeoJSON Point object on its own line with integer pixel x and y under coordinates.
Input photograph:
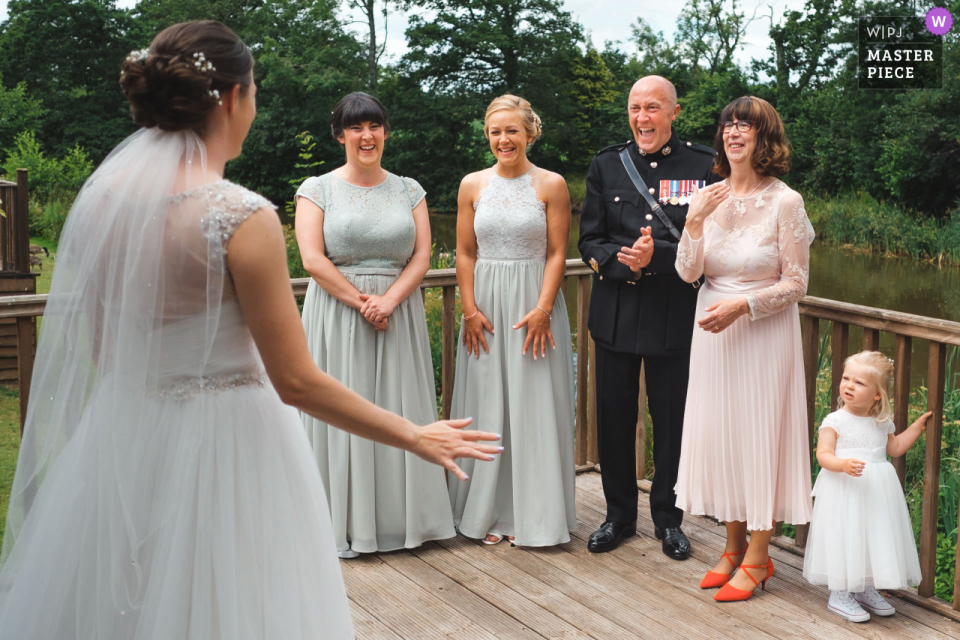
{"type": "Point", "coordinates": [740, 203]}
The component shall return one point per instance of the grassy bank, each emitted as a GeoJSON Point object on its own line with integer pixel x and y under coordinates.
{"type": "Point", "coordinates": [860, 221]}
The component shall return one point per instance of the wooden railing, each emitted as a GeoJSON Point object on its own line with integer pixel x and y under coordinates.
{"type": "Point", "coordinates": [905, 327]}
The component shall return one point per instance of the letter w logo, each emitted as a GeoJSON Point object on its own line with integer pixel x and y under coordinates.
{"type": "Point", "coordinates": [939, 21]}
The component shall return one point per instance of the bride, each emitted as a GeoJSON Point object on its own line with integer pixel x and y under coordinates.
{"type": "Point", "coordinates": [164, 488]}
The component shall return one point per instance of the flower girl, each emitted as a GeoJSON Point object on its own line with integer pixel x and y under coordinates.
{"type": "Point", "coordinates": [860, 535]}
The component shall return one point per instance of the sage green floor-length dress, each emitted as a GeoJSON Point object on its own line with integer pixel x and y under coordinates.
{"type": "Point", "coordinates": [381, 498]}
{"type": "Point", "coordinates": [528, 491]}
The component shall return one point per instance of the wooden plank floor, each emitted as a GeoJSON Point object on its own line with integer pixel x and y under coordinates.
{"type": "Point", "coordinates": [461, 589]}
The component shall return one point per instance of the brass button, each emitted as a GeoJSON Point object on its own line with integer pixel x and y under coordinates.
{"type": "Point", "coordinates": [689, 144]}
{"type": "Point", "coordinates": [652, 190]}
{"type": "Point", "coordinates": [617, 199]}
{"type": "Point", "coordinates": [649, 216]}
{"type": "Point", "coordinates": [653, 165]}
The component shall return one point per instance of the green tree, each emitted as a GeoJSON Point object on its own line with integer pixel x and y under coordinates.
{"type": "Point", "coordinates": [709, 34]}
{"type": "Point", "coordinates": [19, 112]}
{"type": "Point", "coordinates": [67, 53]}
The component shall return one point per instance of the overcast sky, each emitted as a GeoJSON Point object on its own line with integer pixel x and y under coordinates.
{"type": "Point", "coordinates": [606, 20]}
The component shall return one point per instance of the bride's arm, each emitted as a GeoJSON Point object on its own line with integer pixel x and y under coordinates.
{"type": "Point", "coordinates": [256, 259]}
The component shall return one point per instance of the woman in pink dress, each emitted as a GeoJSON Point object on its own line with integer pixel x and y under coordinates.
{"type": "Point", "coordinates": [745, 457]}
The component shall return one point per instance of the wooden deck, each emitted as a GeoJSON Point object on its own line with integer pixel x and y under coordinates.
{"type": "Point", "coordinates": [461, 589]}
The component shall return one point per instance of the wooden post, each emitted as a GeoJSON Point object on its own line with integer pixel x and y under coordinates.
{"type": "Point", "coordinates": [871, 339]}
{"type": "Point", "coordinates": [936, 368]}
{"type": "Point", "coordinates": [448, 345]}
{"type": "Point", "coordinates": [641, 445]}
{"type": "Point", "coordinates": [21, 253]}
{"type": "Point", "coordinates": [583, 368]}
{"type": "Point", "coordinates": [26, 332]}
{"type": "Point", "coordinates": [901, 396]}
{"type": "Point", "coordinates": [811, 353]}
{"type": "Point", "coordinates": [841, 346]}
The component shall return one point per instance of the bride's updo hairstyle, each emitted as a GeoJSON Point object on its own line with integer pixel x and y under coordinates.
{"type": "Point", "coordinates": [510, 102]}
{"type": "Point", "coordinates": [178, 81]}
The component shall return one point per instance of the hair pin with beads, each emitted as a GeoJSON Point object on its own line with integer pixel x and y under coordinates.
{"type": "Point", "coordinates": [215, 94]}
{"type": "Point", "coordinates": [138, 55]}
{"type": "Point", "coordinates": [202, 64]}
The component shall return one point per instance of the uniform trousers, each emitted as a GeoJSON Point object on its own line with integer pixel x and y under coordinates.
{"type": "Point", "coordinates": [618, 390]}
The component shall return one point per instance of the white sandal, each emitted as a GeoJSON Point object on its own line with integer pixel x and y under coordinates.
{"type": "Point", "coordinates": [494, 535]}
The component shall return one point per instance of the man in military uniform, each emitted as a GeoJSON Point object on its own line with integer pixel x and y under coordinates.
{"type": "Point", "coordinates": [640, 309]}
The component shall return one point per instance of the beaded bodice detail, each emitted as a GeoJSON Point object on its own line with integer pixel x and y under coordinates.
{"type": "Point", "coordinates": [366, 226]}
{"type": "Point", "coordinates": [857, 432]}
{"type": "Point", "coordinates": [510, 220]}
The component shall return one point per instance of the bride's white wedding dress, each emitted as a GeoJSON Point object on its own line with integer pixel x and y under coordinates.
{"type": "Point", "coordinates": [163, 490]}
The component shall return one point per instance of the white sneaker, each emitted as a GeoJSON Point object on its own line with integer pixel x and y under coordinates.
{"type": "Point", "coordinates": [348, 553]}
{"type": "Point", "coordinates": [873, 602]}
{"type": "Point", "coordinates": [846, 606]}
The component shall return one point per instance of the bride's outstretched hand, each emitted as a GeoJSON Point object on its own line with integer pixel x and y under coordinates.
{"type": "Point", "coordinates": [443, 442]}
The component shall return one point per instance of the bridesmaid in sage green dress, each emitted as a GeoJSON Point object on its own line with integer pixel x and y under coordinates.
{"type": "Point", "coordinates": [364, 236]}
{"type": "Point", "coordinates": [515, 363]}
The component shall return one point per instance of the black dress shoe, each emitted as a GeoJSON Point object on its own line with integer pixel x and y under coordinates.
{"type": "Point", "coordinates": [675, 544]}
{"type": "Point", "coordinates": [608, 536]}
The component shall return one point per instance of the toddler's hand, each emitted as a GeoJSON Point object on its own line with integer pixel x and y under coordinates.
{"type": "Point", "coordinates": [921, 422]}
{"type": "Point", "coordinates": [853, 467]}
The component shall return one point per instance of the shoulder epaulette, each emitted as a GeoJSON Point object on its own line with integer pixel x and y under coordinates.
{"type": "Point", "coordinates": [615, 147]}
{"type": "Point", "coordinates": [702, 148]}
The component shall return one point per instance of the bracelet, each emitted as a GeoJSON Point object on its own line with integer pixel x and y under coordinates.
{"type": "Point", "coordinates": [471, 316]}
{"type": "Point", "coordinates": [549, 317]}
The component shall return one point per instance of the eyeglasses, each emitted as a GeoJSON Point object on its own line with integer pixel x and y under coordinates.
{"type": "Point", "coordinates": [742, 126]}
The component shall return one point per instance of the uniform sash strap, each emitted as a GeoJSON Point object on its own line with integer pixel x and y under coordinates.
{"type": "Point", "coordinates": [642, 188]}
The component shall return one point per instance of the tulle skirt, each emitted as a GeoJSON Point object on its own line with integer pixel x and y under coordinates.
{"type": "Point", "coordinates": [861, 533]}
{"type": "Point", "coordinates": [194, 516]}
{"type": "Point", "coordinates": [381, 498]}
{"type": "Point", "coordinates": [745, 454]}
{"type": "Point", "coordinates": [528, 491]}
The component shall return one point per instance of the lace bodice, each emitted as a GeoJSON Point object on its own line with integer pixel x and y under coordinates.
{"type": "Point", "coordinates": [758, 247]}
{"type": "Point", "coordinates": [366, 226]}
{"type": "Point", "coordinates": [856, 432]}
{"type": "Point", "coordinates": [510, 220]}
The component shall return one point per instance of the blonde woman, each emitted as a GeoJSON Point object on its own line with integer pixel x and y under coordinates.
{"type": "Point", "coordinates": [515, 363]}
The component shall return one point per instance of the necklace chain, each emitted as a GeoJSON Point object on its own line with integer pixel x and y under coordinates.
{"type": "Point", "coordinates": [736, 197]}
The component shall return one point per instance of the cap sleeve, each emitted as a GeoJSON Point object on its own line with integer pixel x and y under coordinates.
{"type": "Point", "coordinates": [415, 193]}
{"type": "Point", "coordinates": [228, 207]}
{"type": "Point", "coordinates": [313, 190]}
{"type": "Point", "coordinates": [830, 422]}
{"type": "Point", "coordinates": [890, 427]}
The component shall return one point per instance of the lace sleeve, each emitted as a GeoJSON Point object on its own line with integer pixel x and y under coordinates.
{"type": "Point", "coordinates": [227, 209]}
{"type": "Point", "coordinates": [415, 193]}
{"type": "Point", "coordinates": [313, 190]}
{"type": "Point", "coordinates": [794, 235]}
{"type": "Point", "coordinates": [689, 262]}
{"type": "Point", "coordinates": [829, 422]}
{"type": "Point", "coordinates": [889, 427]}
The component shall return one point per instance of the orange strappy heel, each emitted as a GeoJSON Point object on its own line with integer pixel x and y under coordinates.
{"type": "Point", "coordinates": [729, 593]}
{"type": "Point", "coordinates": [713, 579]}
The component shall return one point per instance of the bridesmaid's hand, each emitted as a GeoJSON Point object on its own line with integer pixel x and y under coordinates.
{"type": "Point", "coordinates": [443, 442]}
{"type": "Point", "coordinates": [723, 314]}
{"type": "Point", "coordinates": [538, 332]}
{"type": "Point", "coordinates": [376, 308]}
{"type": "Point", "coordinates": [473, 333]}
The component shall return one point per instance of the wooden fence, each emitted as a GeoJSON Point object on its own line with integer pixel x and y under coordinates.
{"type": "Point", "coordinates": [905, 328]}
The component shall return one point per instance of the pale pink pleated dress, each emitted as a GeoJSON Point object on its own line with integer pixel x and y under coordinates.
{"type": "Point", "coordinates": [745, 454]}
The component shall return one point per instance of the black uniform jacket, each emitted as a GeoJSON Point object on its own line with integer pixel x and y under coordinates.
{"type": "Point", "coordinates": [652, 315]}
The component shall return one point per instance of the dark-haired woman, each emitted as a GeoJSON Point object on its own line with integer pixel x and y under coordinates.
{"type": "Point", "coordinates": [745, 458]}
{"type": "Point", "coordinates": [364, 235]}
{"type": "Point", "coordinates": [163, 488]}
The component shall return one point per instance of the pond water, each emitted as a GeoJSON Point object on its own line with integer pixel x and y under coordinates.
{"type": "Point", "coordinates": [898, 284]}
